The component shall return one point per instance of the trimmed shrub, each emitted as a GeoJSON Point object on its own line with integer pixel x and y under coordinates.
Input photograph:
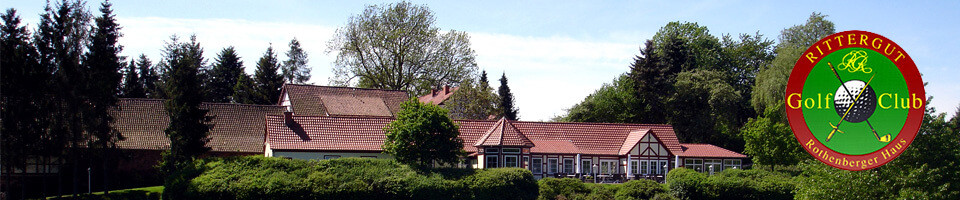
{"type": "Point", "coordinates": [639, 189]}
{"type": "Point", "coordinates": [256, 177]}
{"type": "Point", "coordinates": [688, 184]}
{"type": "Point", "coordinates": [554, 188]}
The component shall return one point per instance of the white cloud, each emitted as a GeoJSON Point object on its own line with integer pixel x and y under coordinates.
{"type": "Point", "coordinates": [250, 38]}
{"type": "Point", "coordinates": [546, 74]}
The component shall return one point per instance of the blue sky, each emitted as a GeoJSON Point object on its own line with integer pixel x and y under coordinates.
{"type": "Point", "coordinates": [554, 53]}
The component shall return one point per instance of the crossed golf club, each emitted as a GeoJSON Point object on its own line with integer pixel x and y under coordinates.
{"type": "Point", "coordinates": [885, 138]}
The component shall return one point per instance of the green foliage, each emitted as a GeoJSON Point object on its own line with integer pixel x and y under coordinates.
{"type": "Point", "coordinates": [639, 189]}
{"type": "Point", "coordinates": [132, 85]}
{"type": "Point", "coordinates": [349, 178]}
{"type": "Point", "coordinates": [150, 77]}
{"type": "Point", "coordinates": [770, 142]}
{"type": "Point", "coordinates": [244, 91]}
{"type": "Point", "coordinates": [472, 101]}
{"type": "Point", "coordinates": [188, 130]}
{"type": "Point", "coordinates": [267, 79]}
{"type": "Point", "coordinates": [730, 184]}
{"type": "Point", "coordinates": [295, 69]}
{"type": "Point", "coordinates": [396, 46]}
{"type": "Point", "coordinates": [223, 76]}
{"type": "Point", "coordinates": [506, 106]}
{"type": "Point", "coordinates": [423, 135]}
{"type": "Point", "coordinates": [554, 188]}
{"type": "Point", "coordinates": [23, 107]}
{"type": "Point", "coordinates": [612, 103]}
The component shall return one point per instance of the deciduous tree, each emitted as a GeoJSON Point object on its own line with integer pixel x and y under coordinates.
{"type": "Point", "coordinates": [423, 135]}
{"type": "Point", "coordinates": [396, 46]}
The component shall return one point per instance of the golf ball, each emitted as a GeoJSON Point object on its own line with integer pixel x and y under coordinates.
{"type": "Point", "coordinates": [861, 110]}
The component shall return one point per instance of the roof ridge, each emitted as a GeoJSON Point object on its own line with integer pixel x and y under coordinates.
{"type": "Point", "coordinates": [344, 87]}
{"type": "Point", "coordinates": [594, 123]}
{"type": "Point", "coordinates": [205, 102]}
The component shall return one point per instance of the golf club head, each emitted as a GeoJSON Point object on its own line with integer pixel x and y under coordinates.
{"type": "Point", "coordinates": [885, 138]}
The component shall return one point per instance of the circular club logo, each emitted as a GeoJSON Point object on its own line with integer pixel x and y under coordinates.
{"type": "Point", "coordinates": [855, 100]}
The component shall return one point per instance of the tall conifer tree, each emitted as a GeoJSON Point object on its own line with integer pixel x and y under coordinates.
{"type": "Point", "coordinates": [188, 130]}
{"type": "Point", "coordinates": [103, 65]}
{"type": "Point", "coordinates": [295, 69]}
{"type": "Point", "coordinates": [506, 100]}
{"type": "Point", "coordinates": [223, 76]}
{"type": "Point", "coordinates": [268, 80]}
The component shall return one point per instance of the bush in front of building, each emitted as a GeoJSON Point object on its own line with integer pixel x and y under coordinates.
{"type": "Point", "coordinates": [730, 184]}
{"type": "Point", "coordinates": [256, 177]}
{"type": "Point", "coordinates": [639, 189]}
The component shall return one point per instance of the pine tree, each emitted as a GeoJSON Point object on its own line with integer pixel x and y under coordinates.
{"type": "Point", "coordinates": [295, 69]}
{"type": "Point", "coordinates": [23, 110]}
{"type": "Point", "coordinates": [507, 108]}
{"type": "Point", "coordinates": [243, 91]}
{"type": "Point", "coordinates": [149, 78]}
{"type": "Point", "coordinates": [223, 76]}
{"type": "Point", "coordinates": [188, 130]}
{"type": "Point", "coordinates": [132, 86]}
{"type": "Point", "coordinates": [103, 65]}
{"type": "Point", "coordinates": [61, 37]}
{"type": "Point", "coordinates": [268, 80]}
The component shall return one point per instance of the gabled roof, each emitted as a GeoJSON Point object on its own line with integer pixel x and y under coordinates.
{"type": "Point", "coordinates": [503, 133]}
{"type": "Point", "coordinates": [632, 139]}
{"type": "Point", "coordinates": [708, 151]}
{"type": "Point", "coordinates": [314, 100]}
{"type": "Point", "coordinates": [437, 97]}
{"type": "Point", "coordinates": [595, 138]}
{"type": "Point", "coordinates": [235, 127]}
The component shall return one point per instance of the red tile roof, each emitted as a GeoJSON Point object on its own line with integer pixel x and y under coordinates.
{"type": "Point", "coordinates": [437, 97]}
{"type": "Point", "coordinates": [555, 146]}
{"type": "Point", "coordinates": [236, 127]}
{"type": "Point", "coordinates": [361, 133]}
{"type": "Point", "coordinates": [366, 133]}
{"type": "Point", "coordinates": [503, 133]}
{"type": "Point", "coordinates": [708, 151]}
{"type": "Point", "coordinates": [314, 100]}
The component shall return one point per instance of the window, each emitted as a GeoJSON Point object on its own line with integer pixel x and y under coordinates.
{"type": "Point", "coordinates": [695, 164]}
{"type": "Point", "coordinates": [608, 166]}
{"type": "Point", "coordinates": [492, 161]}
{"type": "Point", "coordinates": [653, 167]}
{"type": "Point", "coordinates": [492, 151]}
{"type": "Point", "coordinates": [712, 165]}
{"type": "Point", "coordinates": [663, 167]}
{"type": "Point", "coordinates": [511, 161]}
{"type": "Point", "coordinates": [511, 150]}
{"type": "Point", "coordinates": [537, 166]}
{"type": "Point", "coordinates": [643, 167]}
{"type": "Point", "coordinates": [552, 165]}
{"type": "Point", "coordinates": [731, 163]}
{"type": "Point", "coordinates": [586, 166]}
{"type": "Point", "coordinates": [568, 165]}
{"type": "Point", "coordinates": [330, 157]}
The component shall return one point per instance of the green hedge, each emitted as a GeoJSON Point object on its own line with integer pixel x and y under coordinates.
{"type": "Point", "coordinates": [257, 177]}
{"type": "Point", "coordinates": [730, 184]}
{"type": "Point", "coordinates": [568, 188]}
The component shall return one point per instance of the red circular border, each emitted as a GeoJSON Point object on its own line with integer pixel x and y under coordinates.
{"type": "Point", "coordinates": [799, 76]}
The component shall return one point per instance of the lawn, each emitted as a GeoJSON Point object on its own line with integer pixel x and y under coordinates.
{"type": "Point", "coordinates": [152, 192]}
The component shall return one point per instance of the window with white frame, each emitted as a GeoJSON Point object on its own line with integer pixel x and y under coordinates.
{"type": "Point", "coordinates": [714, 164]}
{"type": "Point", "coordinates": [552, 165]}
{"type": "Point", "coordinates": [608, 166]}
{"type": "Point", "coordinates": [663, 167]}
{"type": "Point", "coordinates": [568, 165]}
{"type": "Point", "coordinates": [695, 164]}
{"type": "Point", "coordinates": [536, 166]}
{"type": "Point", "coordinates": [635, 166]}
{"type": "Point", "coordinates": [586, 166]}
{"type": "Point", "coordinates": [492, 151]}
{"type": "Point", "coordinates": [644, 168]}
{"type": "Point", "coordinates": [492, 161]}
{"type": "Point", "coordinates": [511, 150]}
{"type": "Point", "coordinates": [511, 161]}
{"type": "Point", "coordinates": [653, 166]}
{"type": "Point", "coordinates": [330, 157]}
{"type": "Point", "coordinates": [731, 163]}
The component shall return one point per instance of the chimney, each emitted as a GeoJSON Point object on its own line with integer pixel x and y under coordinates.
{"type": "Point", "coordinates": [446, 89]}
{"type": "Point", "coordinates": [288, 117]}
